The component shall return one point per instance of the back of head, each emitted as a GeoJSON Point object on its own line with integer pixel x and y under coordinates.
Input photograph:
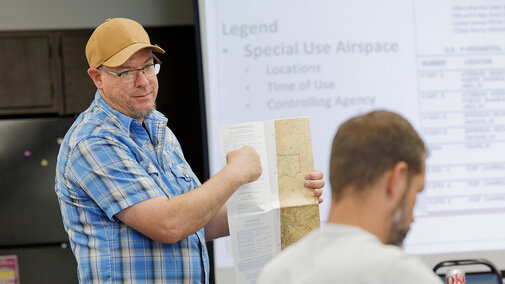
{"type": "Point", "coordinates": [366, 146]}
{"type": "Point", "coordinates": [115, 41]}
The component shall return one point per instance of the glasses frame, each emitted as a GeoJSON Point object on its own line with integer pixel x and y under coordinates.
{"type": "Point", "coordinates": [157, 62]}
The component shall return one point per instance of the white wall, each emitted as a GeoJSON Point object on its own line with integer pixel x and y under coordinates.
{"type": "Point", "coordinates": [18, 15]}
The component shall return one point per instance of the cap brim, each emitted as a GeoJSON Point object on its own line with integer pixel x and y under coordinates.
{"type": "Point", "coordinates": [122, 56]}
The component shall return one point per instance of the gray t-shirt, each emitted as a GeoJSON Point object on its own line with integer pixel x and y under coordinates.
{"type": "Point", "coordinates": [345, 254]}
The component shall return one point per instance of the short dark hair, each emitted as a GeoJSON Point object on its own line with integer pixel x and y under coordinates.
{"type": "Point", "coordinates": [367, 146]}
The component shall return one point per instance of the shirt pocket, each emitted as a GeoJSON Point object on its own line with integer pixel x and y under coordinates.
{"type": "Point", "coordinates": [155, 174]}
{"type": "Point", "coordinates": [184, 176]}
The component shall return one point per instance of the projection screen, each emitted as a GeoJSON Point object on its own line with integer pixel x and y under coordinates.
{"type": "Point", "coordinates": [441, 64]}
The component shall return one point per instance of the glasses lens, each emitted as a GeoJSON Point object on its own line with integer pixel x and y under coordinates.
{"type": "Point", "coordinates": [149, 70]}
{"type": "Point", "coordinates": [128, 76]}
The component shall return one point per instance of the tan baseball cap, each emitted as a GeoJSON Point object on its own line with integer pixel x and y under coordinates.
{"type": "Point", "coordinates": [116, 40]}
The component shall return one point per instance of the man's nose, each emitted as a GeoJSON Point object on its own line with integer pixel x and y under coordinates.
{"type": "Point", "coordinates": [141, 79]}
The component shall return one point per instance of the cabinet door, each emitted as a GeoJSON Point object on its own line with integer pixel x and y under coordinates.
{"type": "Point", "coordinates": [78, 88]}
{"type": "Point", "coordinates": [28, 74]}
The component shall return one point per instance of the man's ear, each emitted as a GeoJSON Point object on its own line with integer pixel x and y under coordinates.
{"type": "Point", "coordinates": [397, 182]}
{"type": "Point", "coordinates": [96, 76]}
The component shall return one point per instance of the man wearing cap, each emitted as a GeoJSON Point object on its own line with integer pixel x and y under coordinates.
{"type": "Point", "coordinates": [131, 205]}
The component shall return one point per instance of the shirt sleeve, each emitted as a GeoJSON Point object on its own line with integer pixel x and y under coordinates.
{"type": "Point", "coordinates": [107, 171]}
{"type": "Point", "coordinates": [411, 270]}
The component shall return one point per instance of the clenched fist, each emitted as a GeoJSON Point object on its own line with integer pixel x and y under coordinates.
{"type": "Point", "coordinates": [246, 164]}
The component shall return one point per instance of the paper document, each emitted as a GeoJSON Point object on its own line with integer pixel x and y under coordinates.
{"type": "Point", "coordinates": [275, 211]}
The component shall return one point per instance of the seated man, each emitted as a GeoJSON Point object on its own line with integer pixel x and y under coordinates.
{"type": "Point", "coordinates": [376, 170]}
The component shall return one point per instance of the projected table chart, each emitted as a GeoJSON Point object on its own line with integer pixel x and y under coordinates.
{"type": "Point", "coordinates": [460, 66]}
{"type": "Point", "coordinates": [462, 108]}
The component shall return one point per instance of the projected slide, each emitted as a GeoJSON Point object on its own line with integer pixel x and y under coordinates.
{"type": "Point", "coordinates": [441, 64]}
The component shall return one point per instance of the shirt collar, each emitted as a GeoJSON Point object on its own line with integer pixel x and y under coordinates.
{"type": "Point", "coordinates": [126, 121]}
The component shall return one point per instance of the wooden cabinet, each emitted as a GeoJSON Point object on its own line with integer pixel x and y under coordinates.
{"type": "Point", "coordinates": [29, 73]}
{"type": "Point", "coordinates": [44, 73]}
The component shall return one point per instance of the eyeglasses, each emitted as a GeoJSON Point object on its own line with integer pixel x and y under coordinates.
{"type": "Point", "coordinates": [130, 76]}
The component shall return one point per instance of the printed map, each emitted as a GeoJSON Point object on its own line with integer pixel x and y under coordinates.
{"type": "Point", "coordinates": [299, 207]}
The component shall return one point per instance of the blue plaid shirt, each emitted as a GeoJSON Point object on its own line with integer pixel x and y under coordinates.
{"type": "Point", "coordinates": [108, 162]}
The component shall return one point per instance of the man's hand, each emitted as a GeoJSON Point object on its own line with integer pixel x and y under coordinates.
{"type": "Point", "coordinates": [246, 163]}
{"type": "Point", "coordinates": [315, 181]}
